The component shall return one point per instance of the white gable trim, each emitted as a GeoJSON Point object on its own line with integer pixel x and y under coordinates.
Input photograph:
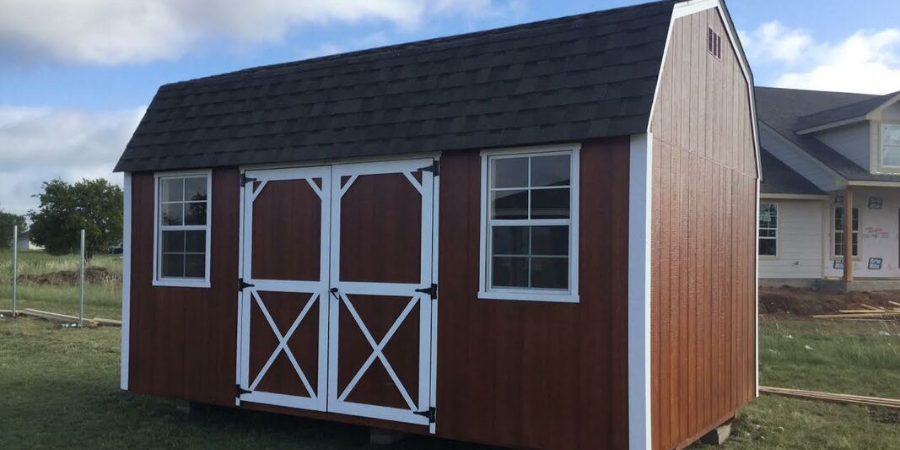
{"type": "Point", "coordinates": [126, 285]}
{"type": "Point", "coordinates": [692, 7]}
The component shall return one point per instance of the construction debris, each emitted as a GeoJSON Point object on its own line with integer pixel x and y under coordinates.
{"type": "Point", "coordinates": [833, 398]}
{"type": "Point", "coordinates": [866, 313]}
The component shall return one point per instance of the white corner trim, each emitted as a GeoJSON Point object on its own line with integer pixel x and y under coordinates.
{"type": "Point", "coordinates": [639, 239]}
{"type": "Point", "coordinates": [756, 286]}
{"type": "Point", "coordinates": [126, 285]}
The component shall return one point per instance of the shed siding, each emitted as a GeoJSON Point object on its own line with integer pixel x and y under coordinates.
{"type": "Point", "coordinates": [182, 340]}
{"type": "Point", "coordinates": [852, 141]}
{"type": "Point", "coordinates": [800, 225]}
{"type": "Point", "coordinates": [703, 238]}
{"type": "Point", "coordinates": [534, 374]}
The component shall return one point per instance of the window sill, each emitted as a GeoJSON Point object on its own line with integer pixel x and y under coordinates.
{"type": "Point", "coordinates": [198, 284]}
{"type": "Point", "coordinates": [529, 297]}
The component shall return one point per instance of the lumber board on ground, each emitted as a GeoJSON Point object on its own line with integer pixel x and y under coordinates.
{"type": "Point", "coordinates": [55, 317]}
{"type": "Point", "coordinates": [834, 398]}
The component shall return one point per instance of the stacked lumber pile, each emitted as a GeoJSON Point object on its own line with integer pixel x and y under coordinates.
{"type": "Point", "coordinates": [833, 398]}
{"type": "Point", "coordinates": [866, 313]}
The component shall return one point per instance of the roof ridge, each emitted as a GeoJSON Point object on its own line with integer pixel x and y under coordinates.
{"type": "Point", "coordinates": [456, 38]}
{"type": "Point", "coordinates": [819, 91]}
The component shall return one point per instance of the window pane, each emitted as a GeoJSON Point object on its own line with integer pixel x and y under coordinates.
{"type": "Point", "coordinates": [550, 204]}
{"type": "Point", "coordinates": [890, 156]}
{"type": "Point", "coordinates": [509, 172]}
{"type": "Point", "coordinates": [173, 241]}
{"type": "Point", "coordinates": [550, 240]}
{"type": "Point", "coordinates": [890, 134]}
{"type": "Point", "coordinates": [509, 272]}
{"type": "Point", "coordinates": [172, 213]}
{"type": "Point", "coordinates": [767, 247]}
{"type": "Point", "coordinates": [195, 266]}
{"type": "Point", "coordinates": [510, 204]}
{"type": "Point", "coordinates": [173, 265]}
{"type": "Point", "coordinates": [550, 171]}
{"type": "Point", "coordinates": [171, 189]}
{"type": "Point", "coordinates": [510, 240]}
{"type": "Point", "coordinates": [196, 242]}
{"type": "Point", "coordinates": [195, 188]}
{"type": "Point", "coordinates": [195, 214]}
{"type": "Point", "coordinates": [550, 273]}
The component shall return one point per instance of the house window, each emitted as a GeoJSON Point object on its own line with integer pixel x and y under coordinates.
{"type": "Point", "coordinates": [890, 145]}
{"type": "Point", "coordinates": [182, 236]}
{"type": "Point", "coordinates": [768, 229]}
{"type": "Point", "coordinates": [839, 231]}
{"type": "Point", "coordinates": [530, 225]}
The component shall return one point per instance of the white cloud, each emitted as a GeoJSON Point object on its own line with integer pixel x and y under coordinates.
{"type": "Point", "coordinates": [40, 144]}
{"type": "Point", "coordinates": [109, 32]}
{"type": "Point", "coordinates": [868, 61]}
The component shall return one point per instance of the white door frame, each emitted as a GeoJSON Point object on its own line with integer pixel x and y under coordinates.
{"type": "Point", "coordinates": [317, 400]}
{"type": "Point", "coordinates": [418, 401]}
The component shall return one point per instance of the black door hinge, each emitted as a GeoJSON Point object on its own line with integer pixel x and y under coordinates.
{"type": "Point", "coordinates": [430, 414]}
{"type": "Point", "coordinates": [245, 179]}
{"type": "Point", "coordinates": [243, 285]}
{"type": "Point", "coordinates": [434, 168]}
{"type": "Point", "coordinates": [432, 291]}
{"type": "Point", "coordinates": [240, 391]}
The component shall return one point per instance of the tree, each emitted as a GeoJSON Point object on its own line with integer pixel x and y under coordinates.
{"type": "Point", "coordinates": [7, 222]}
{"type": "Point", "coordinates": [92, 205]}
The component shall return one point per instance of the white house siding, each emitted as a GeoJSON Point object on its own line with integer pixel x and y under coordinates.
{"type": "Point", "coordinates": [798, 160]}
{"type": "Point", "coordinates": [851, 141]}
{"type": "Point", "coordinates": [800, 225]}
{"type": "Point", "coordinates": [879, 235]}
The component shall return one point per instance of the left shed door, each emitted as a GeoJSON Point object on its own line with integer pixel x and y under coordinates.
{"type": "Point", "coordinates": [284, 307]}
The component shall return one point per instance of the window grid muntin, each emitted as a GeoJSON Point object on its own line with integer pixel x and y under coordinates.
{"type": "Point", "coordinates": [529, 222]}
{"type": "Point", "coordinates": [163, 228]}
{"type": "Point", "coordinates": [769, 230]}
{"type": "Point", "coordinates": [838, 229]}
{"type": "Point", "coordinates": [890, 151]}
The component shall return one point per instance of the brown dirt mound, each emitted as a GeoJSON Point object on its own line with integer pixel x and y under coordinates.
{"type": "Point", "coordinates": [92, 275]}
{"type": "Point", "coordinates": [810, 302]}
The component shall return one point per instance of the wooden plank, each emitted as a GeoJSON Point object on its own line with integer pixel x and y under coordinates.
{"type": "Point", "coordinates": [833, 398]}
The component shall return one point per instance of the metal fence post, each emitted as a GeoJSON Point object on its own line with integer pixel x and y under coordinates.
{"type": "Point", "coordinates": [81, 285]}
{"type": "Point", "coordinates": [15, 274]}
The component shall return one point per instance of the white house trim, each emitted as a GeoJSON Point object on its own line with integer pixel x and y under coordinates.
{"type": "Point", "coordinates": [126, 285]}
{"type": "Point", "coordinates": [765, 196]}
{"type": "Point", "coordinates": [158, 280]}
{"type": "Point", "coordinates": [640, 202]}
{"type": "Point", "coordinates": [831, 125]}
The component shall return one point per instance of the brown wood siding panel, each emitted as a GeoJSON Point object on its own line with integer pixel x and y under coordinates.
{"type": "Point", "coordinates": [530, 374]}
{"type": "Point", "coordinates": [182, 341]}
{"type": "Point", "coordinates": [703, 240]}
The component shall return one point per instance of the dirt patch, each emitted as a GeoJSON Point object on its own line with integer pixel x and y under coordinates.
{"type": "Point", "coordinates": [809, 302]}
{"type": "Point", "coordinates": [92, 275]}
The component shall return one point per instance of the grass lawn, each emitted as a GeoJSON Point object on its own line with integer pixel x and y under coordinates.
{"type": "Point", "coordinates": [101, 299]}
{"type": "Point", "coordinates": [61, 391]}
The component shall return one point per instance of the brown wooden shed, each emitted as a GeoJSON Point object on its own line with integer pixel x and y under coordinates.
{"type": "Point", "coordinates": [540, 236]}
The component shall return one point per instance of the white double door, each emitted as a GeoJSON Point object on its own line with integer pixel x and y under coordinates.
{"type": "Point", "coordinates": [337, 294]}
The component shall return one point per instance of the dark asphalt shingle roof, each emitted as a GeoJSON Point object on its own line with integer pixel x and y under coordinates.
{"type": "Point", "coordinates": [852, 111]}
{"type": "Point", "coordinates": [782, 109]}
{"type": "Point", "coordinates": [778, 178]}
{"type": "Point", "coordinates": [574, 78]}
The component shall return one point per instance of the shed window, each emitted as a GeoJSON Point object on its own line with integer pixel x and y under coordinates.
{"type": "Point", "coordinates": [839, 231]}
{"type": "Point", "coordinates": [890, 145]}
{"type": "Point", "coordinates": [182, 230]}
{"type": "Point", "coordinates": [530, 225]}
{"type": "Point", "coordinates": [768, 229]}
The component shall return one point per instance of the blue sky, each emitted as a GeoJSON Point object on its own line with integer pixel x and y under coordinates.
{"type": "Point", "coordinates": [74, 81]}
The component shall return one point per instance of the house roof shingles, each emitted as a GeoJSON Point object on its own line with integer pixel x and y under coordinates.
{"type": "Point", "coordinates": [574, 78]}
{"type": "Point", "coordinates": [781, 179]}
{"type": "Point", "coordinates": [782, 110]}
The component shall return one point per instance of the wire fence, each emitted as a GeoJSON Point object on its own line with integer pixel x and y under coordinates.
{"type": "Point", "coordinates": [66, 288]}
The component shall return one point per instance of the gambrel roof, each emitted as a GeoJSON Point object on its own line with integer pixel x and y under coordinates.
{"type": "Point", "coordinates": [569, 79]}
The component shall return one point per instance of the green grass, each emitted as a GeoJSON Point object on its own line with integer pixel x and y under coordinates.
{"type": "Point", "coordinates": [60, 390]}
{"type": "Point", "coordinates": [101, 300]}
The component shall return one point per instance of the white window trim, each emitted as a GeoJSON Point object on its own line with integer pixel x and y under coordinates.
{"type": "Point", "coordinates": [777, 237]}
{"type": "Point", "coordinates": [881, 126]}
{"type": "Point", "coordinates": [535, 295]}
{"type": "Point", "coordinates": [158, 280]}
{"type": "Point", "coordinates": [834, 255]}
